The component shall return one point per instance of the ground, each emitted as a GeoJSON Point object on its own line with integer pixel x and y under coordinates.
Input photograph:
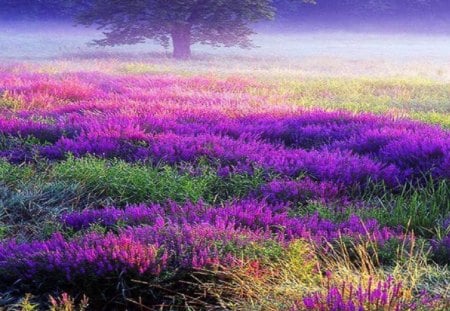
{"type": "Point", "coordinates": [310, 174]}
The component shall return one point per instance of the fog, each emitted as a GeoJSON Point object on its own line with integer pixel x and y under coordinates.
{"type": "Point", "coordinates": [330, 52]}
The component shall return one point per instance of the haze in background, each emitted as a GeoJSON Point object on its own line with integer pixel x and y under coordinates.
{"type": "Point", "coordinates": [336, 38]}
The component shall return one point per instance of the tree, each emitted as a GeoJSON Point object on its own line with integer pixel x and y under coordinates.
{"type": "Point", "coordinates": [183, 22]}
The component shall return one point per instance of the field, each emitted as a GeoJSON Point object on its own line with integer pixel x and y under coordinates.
{"type": "Point", "coordinates": [313, 181]}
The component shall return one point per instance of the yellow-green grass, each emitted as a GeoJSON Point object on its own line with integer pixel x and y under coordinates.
{"type": "Point", "coordinates": [420, 99]}
{"type": "Point", "coordinates": [300, 270]}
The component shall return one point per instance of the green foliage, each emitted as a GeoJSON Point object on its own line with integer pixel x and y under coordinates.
{"type": "Point", "coordinates": [33, 197]}
{"type": "Point", "coordinates": [3, 231]}
{"type": "Point", "coordinates": [418, 209]}
{"type": "Point", "coordinates": [268, 252]}
{"type": "Point", "coordinates": [12, 174]}
{"type": "Point", "coordinates": [122, 182]}
{"type": "Point", "coordinates": [235, 186]}
{"type": "Point", "coordinates": [128, 183]}
{"type": "Point", "coordinates": [397, 251]}
{"type": "Point", "coordinates": [324, 211]}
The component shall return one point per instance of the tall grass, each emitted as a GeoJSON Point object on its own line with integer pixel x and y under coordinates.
{"type": "Point", "coordinates": [420, 209]}
{"type": "Point", "coordinates": [303, 269]}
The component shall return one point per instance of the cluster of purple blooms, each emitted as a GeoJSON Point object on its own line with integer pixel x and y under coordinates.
{"type": "Point", "coordinates": [153, 238]}
{"type": "Point", "coordinates": [164, 126]}
{"type": "Point", "coordinates": [257, 216]}
{"type": "Point", "coordinates": [315, 155]}
{"type": "Point", "coordinates": [390, 151]}
{"type": "Point", "coordinates": [302, 191]}
{"type": "Point", "coordinates": [386, 295]}
{"type": "Point", "coordinates": [143, 251]}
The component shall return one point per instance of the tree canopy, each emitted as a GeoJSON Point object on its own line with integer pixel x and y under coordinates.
{"type": "Point", "coordinates": [180, 22]}
{"type": "Point", "coordinates": [184, 22]}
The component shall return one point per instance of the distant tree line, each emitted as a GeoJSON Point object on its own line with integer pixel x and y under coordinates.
{"type": "Point", "coordinates": [366, 8]}
{"type": "Point", "coordinates": [287, 9]}
{"type": "Point", "coordinates": [40, 9]}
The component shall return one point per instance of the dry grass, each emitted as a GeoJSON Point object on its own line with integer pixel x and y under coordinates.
{"type": "Point", "coordinates": [303, 269]}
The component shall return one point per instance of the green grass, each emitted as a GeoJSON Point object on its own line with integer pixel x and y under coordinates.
{"type": "Point", "coordinates": [133, 183]}
{"type": "Point", "coordinates": [13, 175]}
{"type": "Point", "coordinates": [419, 209]}
{"type": "Point", "coordinates": [420, 99]}
{"type": "Point", "coordinates": [33, 196]}
{"type": "Point", "coordinates": [30, 193]}
{"type": "Point", "coordinates": [127, 183]}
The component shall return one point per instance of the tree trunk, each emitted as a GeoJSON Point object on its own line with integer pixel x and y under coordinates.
{"type": "Point", "coordinates": [181, 40]}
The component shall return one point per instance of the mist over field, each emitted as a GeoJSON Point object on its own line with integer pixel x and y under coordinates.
{"type": "Point", "coordinates": [143, 170]}
{"type": "Point", "coordinates": [314, 52]}
{"type": "Point", "coordinates": [45, 40]}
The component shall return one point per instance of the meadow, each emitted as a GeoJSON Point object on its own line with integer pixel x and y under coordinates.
{"type": "Point", "coordinates": [136, 182]}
